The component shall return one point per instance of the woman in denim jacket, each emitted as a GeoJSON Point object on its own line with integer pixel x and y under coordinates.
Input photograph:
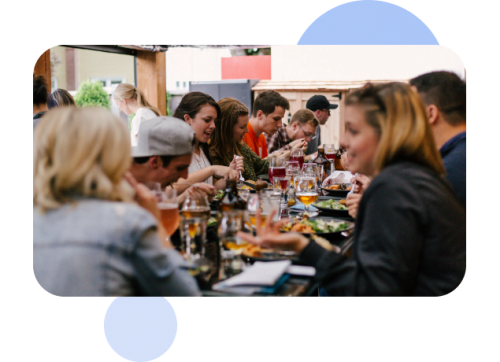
{"type": "Point", "coordinates": [89, 237]}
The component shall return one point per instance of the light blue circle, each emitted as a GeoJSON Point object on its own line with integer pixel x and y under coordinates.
{"type": "Point", "coordinates": [368, 23]}
{"type": "Point", "coordinates": [140, 329]}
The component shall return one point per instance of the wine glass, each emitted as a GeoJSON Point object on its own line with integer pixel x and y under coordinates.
{"type": "Point", "coordinates": [297, 154]}
{"type": "Point", "coordinates": [307, 191]}
{"type": "Point", "coordinates": [195, 214]}
{"type": "Point", "coordinates": [276, 168]}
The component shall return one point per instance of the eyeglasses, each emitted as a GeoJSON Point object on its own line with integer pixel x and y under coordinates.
{"type": "Point", "coordinates": [307, 134]}
{"type": "Point", "coordinates": [327, 111]}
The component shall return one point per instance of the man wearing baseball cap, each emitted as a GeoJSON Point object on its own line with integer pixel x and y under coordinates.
{"type": "Point", "coordinates": [163, 153]}
{"type": "Point", "coordinates": [321, 109]}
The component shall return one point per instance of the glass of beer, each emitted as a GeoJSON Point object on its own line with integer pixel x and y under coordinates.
{"type": "Point", "coordinates": [169, 210]}
{"type": "Point", "coordinates": [231, 222]}
{"type": "Point", "coordinates": [255, 203]}
{"type": "Point", "coordinates": [195, 213]}
{"type": "Point", "coordinates": [307, 191]}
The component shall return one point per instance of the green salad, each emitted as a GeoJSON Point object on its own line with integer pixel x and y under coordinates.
{"type": "Point", "coordinates": [315, 226]}
{"type": "Point", "coordinates": [330, 204]}
{"type": "Point", "coordinates": [322, 226]}
{"type": "Point", "coordinates": [219, 194]}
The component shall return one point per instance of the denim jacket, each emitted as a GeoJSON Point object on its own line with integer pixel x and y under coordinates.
{"type": "Point", "coordinates": [101, 248]}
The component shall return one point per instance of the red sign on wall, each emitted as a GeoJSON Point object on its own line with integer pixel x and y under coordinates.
{"type": "Point", "coordinates": [246, 67]}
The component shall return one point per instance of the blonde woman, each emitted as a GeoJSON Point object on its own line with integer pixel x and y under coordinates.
{"type": "Point", "coordinates": [131, 100]}
{"type": "Point", "coordinates": [410, 226]}
{"type": "Point", "coordinates": [89, 237]}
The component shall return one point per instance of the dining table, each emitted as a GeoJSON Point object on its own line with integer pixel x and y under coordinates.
{"type": "Point", "coordinates": [294, 285]}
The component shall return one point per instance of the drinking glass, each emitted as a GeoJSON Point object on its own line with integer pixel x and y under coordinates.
{"type": "Point", "coordinates": [155, 188]}
{"type": "Point", "coordinates": [276, 168]}
{"type": "Point", "coordinates": [244, 194]}
{"type": "Point", "coordinates": [297, 154]}
{"type": "Point", "coordinates": [330, 152]}
{"type": "Point", "coordinates": [307, 191]}
{"type": "Point", "coordinates": [270, 199]}
{"type": "Point", "coordinates": [169, 210]}
{"type": "Point", "coordinates": [195, 213]}
{"type": "Point", "coordinates": [281, 184]}
{"type": "Point", "coordinates": [231, 222]}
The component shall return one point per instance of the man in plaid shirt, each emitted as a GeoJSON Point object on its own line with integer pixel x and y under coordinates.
{"type": "Point", "coordinates": [297, 134]}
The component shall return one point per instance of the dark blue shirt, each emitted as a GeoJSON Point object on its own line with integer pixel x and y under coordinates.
{"type": "Point", "coordinates": [453, 155]}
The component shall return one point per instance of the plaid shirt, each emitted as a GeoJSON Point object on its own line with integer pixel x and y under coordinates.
{"type": "Point", "coordinates": [278, 141]}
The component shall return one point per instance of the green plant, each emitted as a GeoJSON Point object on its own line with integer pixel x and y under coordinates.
{"type": "Point", "coordinates": [92, 94]}
{"type": "Point", "coordinates": [169, 97]}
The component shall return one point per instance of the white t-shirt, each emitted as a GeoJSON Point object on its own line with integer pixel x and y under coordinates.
{"type": "Point", "coordinates": [199, 162]}
{"type": "Point", "coordinates": [142, 114]}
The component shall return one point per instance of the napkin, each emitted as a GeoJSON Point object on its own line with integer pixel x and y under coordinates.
{"type": "Point", "coordinates": [259, 274]}
{"type": "Point", "coordinates": [300, 207]}
{"type": "Point", "coordinates": [338, 177]}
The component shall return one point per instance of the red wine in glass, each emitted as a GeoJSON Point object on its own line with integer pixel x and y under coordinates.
{"type": "Point", "coordinates": [331, 156]}
{"type": "Point", "coordinates": [283, 184]}
{"type": "Point", "coordinates": [299, 159]}
{"type": "Point", "coordinates": [276, 171]}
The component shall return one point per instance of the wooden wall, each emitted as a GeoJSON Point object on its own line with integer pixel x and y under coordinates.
{"type": "Point", "coordinates": [42, 67]}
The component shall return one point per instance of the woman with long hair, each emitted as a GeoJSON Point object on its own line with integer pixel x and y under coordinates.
{"type": "Point", "coordinates": [201, 112]}
{"type": "Point", "coordinates": [131, 100]}
{"type": "Point", "coordinates": [227, 139]}
{"type": "Point", "coordinates": [89, 237]}
{"type": "Point", "coordinates": [63, 98]}
{"type": "Point", "coordinates": [410, 226]}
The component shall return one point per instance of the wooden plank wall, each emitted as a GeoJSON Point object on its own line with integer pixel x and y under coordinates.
{"type": "Point", "coordinates": [42, 67]}
{"type": "Point", "coordinates": [152, 79]}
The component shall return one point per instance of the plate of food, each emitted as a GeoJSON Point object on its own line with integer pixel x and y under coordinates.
{"type": "Point", "coordinates": [319, 226]}
{"type": "Point", "coordinates": [253, 253]}
{"type": "Point", "coordinates": [340, 190]}
{"type": "Point", "coordinates": [331, 206]}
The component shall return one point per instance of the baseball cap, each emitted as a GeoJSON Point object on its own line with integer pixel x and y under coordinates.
{"type": "Point", "coordinates": [164, 136]}
{"type": "Point", "coordinates": [319, 102]}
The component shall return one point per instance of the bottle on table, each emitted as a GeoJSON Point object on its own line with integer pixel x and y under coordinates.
{"type": "Point", "coordinates": [338, 163]}
{"type": "Point", "coordinates": [323, 161]}
{"type": "Point", "coordinates": [231, 199]}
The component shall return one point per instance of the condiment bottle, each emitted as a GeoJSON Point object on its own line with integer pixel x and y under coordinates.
{"type": "Point", "coordinates": [231, 200]}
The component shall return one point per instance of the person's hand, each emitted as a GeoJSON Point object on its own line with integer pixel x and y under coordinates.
{"type": "Point", "coordinates": [362, 183]}
{"type": "Point", "coordinates": [312, 156]}
{"type": "Point", "coordinates": [226, 172]}
{"type": "Point", "coordinates": [352, 203]}
{"type": "Point", "coordinates": [203, 189]}
{"type": "Point", "coordinates": [286, 155]}
{"type": "Point", "coordinates": [143, 196]}
{"type": "Point", "coordinates": [300, 143]}
{"type": "Point", "coordinates": [237, 163]}
{"type": "Point", "coordinates": [344, 161]}
{"type": "Point", "coordinates": [270, 236]}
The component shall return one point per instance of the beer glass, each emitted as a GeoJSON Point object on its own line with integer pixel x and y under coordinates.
{"type": "Point", "coordinates": [231, 222]}
{"type": "Point", "coordinates": [307, 191]}
{"type": "Point", "coordinates": [195, 213]}
{"type": "Point", "coordinates": [169, 210]}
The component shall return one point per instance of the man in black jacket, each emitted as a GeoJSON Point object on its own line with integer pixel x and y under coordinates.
{"type": "Point", "coordinates": [444, 96]}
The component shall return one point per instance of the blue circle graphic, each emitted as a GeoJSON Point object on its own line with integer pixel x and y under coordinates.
{"type": "Point", "coordinates": [368, 23]}
{"type": "Point", "coordinates": [140, 329]}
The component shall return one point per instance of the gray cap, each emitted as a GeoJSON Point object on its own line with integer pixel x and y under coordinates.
{"type": "Point", "coordinates": [164, 136]}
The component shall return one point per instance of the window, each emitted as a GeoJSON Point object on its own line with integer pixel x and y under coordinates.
{"type": "Point", "coordinates": [177, 84]}
{"type": "Point", "coordinates": [184, 85]}
{"type": "Point", "coordinates": [109, 81]}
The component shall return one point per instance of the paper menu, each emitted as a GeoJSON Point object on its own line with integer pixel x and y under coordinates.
{"type": "Point", "coordinates": [259, 274]}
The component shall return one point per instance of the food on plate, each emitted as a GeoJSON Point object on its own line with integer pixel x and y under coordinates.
{"type": "Point", "coordinates": [315, 226]}
{"type": "Point", "coordinates": [252, 250]}
{"type": "Point", "coordinates": [245, 187]}
{"type": "Point", "coordinates": [331, 204]}
{"type": "Point", "coordinates": [343, 187]}
{"type": "Point", "coordinates": [259, 185]}
{"type": "Point", "coordinates": [219, 194]}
